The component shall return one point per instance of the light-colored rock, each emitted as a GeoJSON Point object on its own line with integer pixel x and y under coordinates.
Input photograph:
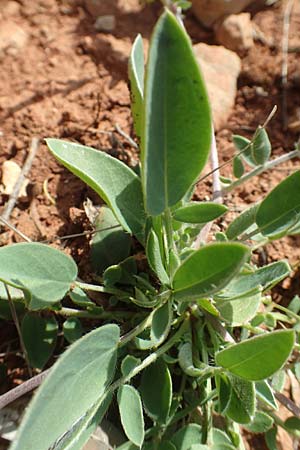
{"type": "Point", "coordinates": [105, 23]}
{"type": "Point", "coordinates": [236, 32]}
{"type": "Point", "coordinates": [209, 11]}
{"type": "Point", "coordinates": [220, 68]}
{"type": "Point", "coordinates": [10, 8]}
{"type": "Point", "coordinates": [12, 36]}
{"type": "Point", "coordinates": [10, 174]}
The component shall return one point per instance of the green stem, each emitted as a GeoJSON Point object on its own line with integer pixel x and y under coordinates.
{"type": "Point", "coordinates": [286, 311]}
{"type": "Point", "coordinates": [70, 312]}
{"type": "Point", "coordinates": [152, 357]}
{"type": "Point", "coordinates": [169, 230]}
{"type": "Point", "coordinates": [260, 169]}
{"type": "Point", "coordinates": [97, 288]}
{"type": "Point", "coordinates": [137, 330]}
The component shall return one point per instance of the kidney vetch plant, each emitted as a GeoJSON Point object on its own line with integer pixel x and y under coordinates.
{"type": "Point", "coordinates": [198, 355]}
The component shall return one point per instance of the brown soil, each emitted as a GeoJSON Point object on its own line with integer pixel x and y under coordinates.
{"type": "Point", "coordinates": [70, 81]}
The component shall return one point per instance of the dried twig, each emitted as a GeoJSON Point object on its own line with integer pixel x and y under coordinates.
{"type": "Point", "coordinates": [25, 170]}
{"type": "Point", "coordinates": [285, 49]}
{"type": "Point", "coordinates": [288, 403]}
{"type": "Point", "coordinates": [14, 229]}
{"type": "Point", "coordinates": [21, 390]}
{"type": "Point", "coordinates": [125, 136]}
{"type": "Point", "coordinates": [217, 190]}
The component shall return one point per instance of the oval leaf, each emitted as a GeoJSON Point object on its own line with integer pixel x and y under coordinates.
{"type": "Point", "coordinates": [78, 379]}
{"type": "Point", "coordinates": [39, 335]}
{"type": "Point", "coordinates": [196, 212]}
{"type": "Point", "coordinates": [239, 311]}
{"type": "Point", "coordinates": [259, 357]}
{"type": "Point", "coordinates": [238, 167]}
{"type": "Point", "coordinates": [136, 77]}
{"type": "Point", "coordinates": [156, 391]}
{"type": "Point", "coordinates": [244, 145]}
{"type": "Point", "coordinates": [72, 329]}
{"type": "Point", "coordinates": [177, 127]}
{"type": "Point", "coordinates": [116, 183]}
{"type": "Point", "coordinates": [184, 438]}
{"type": "Point", "coordinates": [131, 413]}
{"type": "Point", "coordinates": [241, 406]}
{"type": "Point", "coordinates": [110, 246]}
{"type": "Point", "coordinates": [261, 148]}
{"type": "Point", "coordinates": [208, 270]}
{"type": "Point", "coordinates": [43, 273]}
{"type": "Point", "coordinates": [280, 210]}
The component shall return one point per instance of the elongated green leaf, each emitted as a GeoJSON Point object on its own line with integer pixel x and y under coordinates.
{"type": "Point", "coordinates": [195, 212]}
{"type": "Point", "coordinates": [131, 412]}
{"type": "Point", "coordinates": [265, 277]}
{"type": "Point", "coordinates": [39, 336]}
{"type": "Point", "coordinates": [208, 270]}
{"type": "Point", "coordinates": [280, 210]}
{"type": "Point", "coordinates": [241, 406]}
{"type": "Point", "coordinates": [156, 391]}
{"type": "Point", "coordinates": [238, 167]}
{"type": "Point", "coordinates": [259, 357]}
{"type": "Point", "coordinates": [224, 391]}
{"type": "Point", "coordinates": [43, 273]}
{"type": "Point", "coordinates": [261, 149]}
{"type": "Point", "coordinates": [78, 379]}
{"type": "Point", "coordinates": [116, 183]}
{"type": "Point", "coordinates": [110, 246]}
{"type": "Point", "coordinates": [155, 258]}
{"type": "Point", "coordinates": [83, 429]}
{"type": "Point", "coordinates": [177, 118]}
{"type": "Point", "coordinates": [161, 323]}
{"type": "Point", "coordinates": [184, 438]}
{"type": "Point", "coordinates": [136, 77]}
{"type": "Point", "coordinates": [242, 222]}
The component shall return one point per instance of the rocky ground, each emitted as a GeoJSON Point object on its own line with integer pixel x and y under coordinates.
{"type": "Point", "coordinates": [63, 71]}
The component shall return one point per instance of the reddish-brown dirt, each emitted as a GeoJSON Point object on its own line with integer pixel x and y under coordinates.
{"type": "Point", "coordinates": [70, 81]}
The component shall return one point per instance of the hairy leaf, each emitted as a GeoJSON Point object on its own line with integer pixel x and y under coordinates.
{"type": "Point", "coordinates": [195, 212]}
{"type": "Point", "coordinates": [131, 412]}
{"type": "Point", "coordinates": [39, 336]}
{"type": "Point", "coordinates": [259, 357]}
{"type": "Point", "coordinates": [116, 183]}
{"type": "Point", "coordinates": [156, 391]}
{"type": "Point", "coordinates": [43, 273]}
{"type": "Point", "coordinates": [208, 270]}
{"type": "Point", "coordinates": [78, 379]}
{"type": "Point", "coordinates": [174, 88]}
{"type": "Point", "coordinates": [136, 77]}
{"type": "Point", "coordinates": [280, 210]}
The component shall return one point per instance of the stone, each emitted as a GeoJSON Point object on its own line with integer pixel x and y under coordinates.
{"type": "Point", "coordinates": [236, 32]}
{"type": "Point", "coordinates": [12, 37]}
{"type": "Point", "coordinates": [10, 8]}
{"type": "Point", "coordinates": [220, 68]}
{"type": "Point", "coordinates": [10, 174]}
{"type": "Point", "coordinates": [209, 11]}
{"type": "Point", "coordinates": [105, 23]}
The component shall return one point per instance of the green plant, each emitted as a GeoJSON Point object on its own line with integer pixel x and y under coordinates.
{"type": "Point", "coordinates": [198, 355]}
